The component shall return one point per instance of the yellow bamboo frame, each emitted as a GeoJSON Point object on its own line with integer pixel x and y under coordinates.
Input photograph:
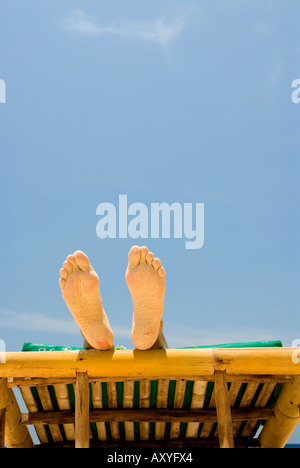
{"type": "Point", "coordinates": [16, 436]}
{"type": "Point", "coordinates": [154, 364]}
{"type": "Point", "coordinates": [190, 364]}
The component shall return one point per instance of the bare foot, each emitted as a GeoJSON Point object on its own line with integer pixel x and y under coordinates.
{"type": "Point", "coordinates": [80, 289]}
{"type": "Point", "coordinates": [145, 279]}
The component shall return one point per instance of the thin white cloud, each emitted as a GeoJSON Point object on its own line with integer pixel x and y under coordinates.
{"type": "Point", "coordinates": [277, 70]}
{"type": "Point", "coordinates": [177, 334]}
{"type": "Point", "coordinates": [37, 322]}
{"type": "Point", "coordinates": [263, 29]}
{"type": "Point", "coordinates": [160, 30]}
{"type": "Point", "coordinates": [81, 23]}
{"type": "Point", "coordinates": [180, 335]}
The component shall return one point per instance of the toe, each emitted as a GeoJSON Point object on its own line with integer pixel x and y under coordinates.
{"type": "Point", "coordinates": [64, 273]}
{"type": "Point", "coordinates": [82, 260]}
{"type": "Point", "coordinates": [68, 266]}
{"type": "Point", "coordinates": [156, 264]}
{"type": "Point", "coordinates": [144, 252]}
{"type": "Point", "coordinates": [149, 258]}
{"type": "Point", "coordinates": [62, 283]}
{"type": "Point", "coordinates": [161, 272]}
{"type": "Point", "coordinates": [71, 259]}
{"type": "Point", "coordinates": [134, 256]}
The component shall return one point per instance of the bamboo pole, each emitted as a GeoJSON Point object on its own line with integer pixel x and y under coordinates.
{"type": "Point", "coordinates": [175, 445]}
{"type": "Point", "coordinates": [223, 411]}
{"type": "Point", "coordinates": [15, 435]}
{"type": "Point", "coordinates": [15, 382]}
{"type": "Point", "coordinates": [2, 427]}
{"type": "Point", "coordinates": [232, 394]}
{"type": "Point", "coordinates": [278, 430]}
{"type": "Point", "coordinates": [186, 364]}
{"type": "Point", "coordinates": [4, 400]}
{"type": "Point", "coordinates": [145, 415]}
{"type": "Point", "coordinates": [268, 361]}
{"type": "Point", "coordinates": [82, 423]}
{"type": "Point", "coordinates": [161, 445]}
{"type": "Point", "coordinates": [113, 365]}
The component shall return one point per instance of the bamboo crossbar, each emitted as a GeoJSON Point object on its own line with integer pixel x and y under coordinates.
{"type": "Point", "coordinates": [15, 382]}
{"type": "Point", "coordinates": [154, 364]}
{"type": "Point", "coordinates": [145, 415]}
{"type": "Point", "coordinates": [176, 445]}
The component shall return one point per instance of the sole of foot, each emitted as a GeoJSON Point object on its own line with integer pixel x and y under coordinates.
{"type": "Point", "coordinates": [145, 279]}
{"type": "Point", "coordinates": [81, 292]}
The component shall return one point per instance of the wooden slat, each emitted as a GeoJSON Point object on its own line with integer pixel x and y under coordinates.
{"type": "Point", "coordinates": [245, 403]}
{"type": "Point", "coordinates": [145, 390]}
{"type": "Point", "coordinates": [97, 397]}
{"type": "Point", "coordinates": [261, 401]}
{"type": "Point", "coordinates": [223, 411]}
{"type": "Point", "coordinates": [33, 408]}
{"type": "Point", "coordinates": [161, 403]}
{"type": "Point", "coordinates": [48, 406]}
{"type": "Point", "coordinates": [128, 403]}
{"type": "Point", "coordinates": [63, 401]}
{"type": "Point", "coordinates": [178, 403]}
{"type": "Point", "coordinates": [233, 392]}
{"type": "Point", "coordinates": [206, 429]}
{"type": "Point", "coordinates": [113, 403]}
{"type": "Point", "coordinates": [198, 398]}
{"type": "Point", "coordinates": [82, 423]}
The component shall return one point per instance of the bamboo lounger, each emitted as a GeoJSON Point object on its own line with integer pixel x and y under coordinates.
{"type": "Point", "coordinates": [175, 398]}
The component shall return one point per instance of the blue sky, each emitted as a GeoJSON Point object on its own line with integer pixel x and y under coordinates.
{"type": "Point", "coordinates": [164, 101]}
